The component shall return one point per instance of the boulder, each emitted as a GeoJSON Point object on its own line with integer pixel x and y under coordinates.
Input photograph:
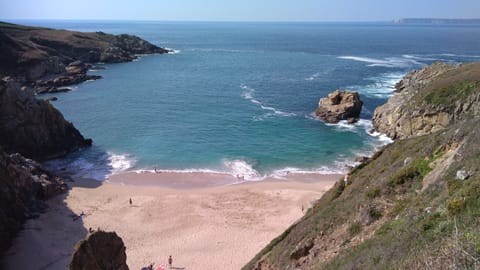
{"type": "Point", "coordinates": [100, 251]}
{"type": "Point", "coordinates": [340, 105]}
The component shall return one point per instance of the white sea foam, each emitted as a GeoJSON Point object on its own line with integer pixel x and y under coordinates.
{"type": "Point", "coordinates": [172, 51]}
{"type": "Point", "coordinates": [382, 86]}
{"type": "Point", "coordinates": [391, 62]}
{"type": "Point", "coordinates": [242, 169]}
{"type": "Point", "coordinates": [248, 94]}
{"type": "Point", "coordinates": [314, 76]}
{"type": "Point", "coordinates": [97, 167]}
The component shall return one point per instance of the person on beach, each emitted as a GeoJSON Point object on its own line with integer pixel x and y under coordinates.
{"type": "Point", "coordinates": [345, 179]}
{"type": "Point", "coordinates": [170, 262]}
{"type": "Point", "coordinates": [130, 201]}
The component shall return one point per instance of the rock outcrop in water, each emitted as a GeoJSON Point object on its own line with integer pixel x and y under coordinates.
{"type": "Point", "coordinates": [429, 100]}
{"type": "Point", "coordinates": [100, 251]}
{"type": "Point", "coordinates": [413, 204]}
{"type": "Point", "coordinates": [34, 128]}
{"type": "Point", "coordinates": [340, 105]}
{"type": "Point", "coordinates": [45, 59]}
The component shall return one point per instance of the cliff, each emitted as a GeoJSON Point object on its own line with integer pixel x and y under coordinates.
{"type": "Point", "coordinates": [412, 205]}
{"type": "Point", "coordinates": [40, 60]}
{"type": "Point", "coordinates": [33, 127]}
{"type": "Point", "coordinates": [45, 58]}
{"type": "Point", "coordinates": [429, 100]}
{"type": "Point", "coordinates": [24, 184]}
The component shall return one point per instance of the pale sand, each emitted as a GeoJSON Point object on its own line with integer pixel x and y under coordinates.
{"type": "Point", "coordinates": [214, 227]}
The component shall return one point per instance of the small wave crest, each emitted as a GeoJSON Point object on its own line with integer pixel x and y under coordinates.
{"type": "Point", "coordinates": [172, 51]}
{"type": "Point", "coordinates": [382, 86]}
{"type": "Point", "coordinates": [390, 62]}
{"type": "Point", "coordinates": [242, 170]}
{"type": "Point", "coordinates": [92, 165]}
{"type": "Point", "coordinates": [248, 94]}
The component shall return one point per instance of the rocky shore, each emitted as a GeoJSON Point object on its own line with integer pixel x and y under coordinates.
{"type": "Point", "coordinates": [413, 204]}
{"type": "Point", "coordinates": [416, 110]}
{"type": "Point", "coordinates": [36, 60]}
{"type": "Point", "coordinates": [45, 59]}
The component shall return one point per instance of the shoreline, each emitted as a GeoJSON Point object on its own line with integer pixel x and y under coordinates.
{"type": "Point", "coordinates": [201, 227]}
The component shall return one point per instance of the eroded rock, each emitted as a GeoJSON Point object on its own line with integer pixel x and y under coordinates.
{"type": "Point", "coordinates": [340, 105]}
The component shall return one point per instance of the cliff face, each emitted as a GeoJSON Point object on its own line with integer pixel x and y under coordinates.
{"type": "Point", "coordinates": [413, 204]}
{"type": "Point", "coordinates": [100, 251]}
{"type": "Point", "coordinates": [34, 128]}
{"type": "Point", "coordinates": [430, 100]}
{"type": "Point", "coordinates": [23, 186]}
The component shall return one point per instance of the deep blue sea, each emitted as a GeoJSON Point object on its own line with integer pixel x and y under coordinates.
{"type": "Point", "coordinates": [239, 97]}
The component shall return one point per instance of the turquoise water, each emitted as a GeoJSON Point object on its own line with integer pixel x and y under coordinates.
{"type": "Point", "coordinates": [239, 97]}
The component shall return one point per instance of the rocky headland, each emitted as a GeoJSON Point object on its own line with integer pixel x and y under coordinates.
{"type": "Point", "coordinates": [47, 59]}
{"type": "Point", "coordinates": [339, 105]}
{"type": "Point", "coordinates": [39, 60]}
{"type": "Point", "coordinates": [413, 204]}
{"type": "Point", "coordinates": [429, 100]}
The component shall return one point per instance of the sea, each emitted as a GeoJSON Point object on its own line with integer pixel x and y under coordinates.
{"type": "Point", "coordinates": [239, 97]}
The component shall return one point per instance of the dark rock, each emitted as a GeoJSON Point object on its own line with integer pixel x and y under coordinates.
{"type": "Point", "coordinates": [100, 251]}
{"type": "Point", "coordinates": [340, 105]}
{"type": "Point", "coordinates": [34, 128]}
{"type": "Point", "coordinates": [24, 184]}
{"type": "Point", "coordinates": [302, 250]}
{"type": "Point", "coordinates": [54, 58]}
{"type": "Point", "coordinates": [361, 159]}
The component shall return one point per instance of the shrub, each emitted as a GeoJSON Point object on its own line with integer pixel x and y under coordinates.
{"type": "Point", "coordinates": [373, 193]}
{"type": "Point", "coordinates": [354, 228]}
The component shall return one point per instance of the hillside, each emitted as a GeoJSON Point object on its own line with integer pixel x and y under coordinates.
{"type": "Point", "coordinates": [414, 204]}
{"type": "Point", "coordinates": [44, 58]}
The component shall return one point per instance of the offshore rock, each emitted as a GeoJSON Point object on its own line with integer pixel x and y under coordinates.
{"type": "Point", "coordinates": [34, 128]}
{"type": "Point", "coordinates": [429, 100]}
{"type": "Point", "coordinates": [340, 105]}
{"type": "Point", "coordinates": [100, 251]}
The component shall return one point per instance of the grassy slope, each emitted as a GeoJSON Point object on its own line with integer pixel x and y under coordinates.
{"type": "Point", "coordinates": [397, 215]}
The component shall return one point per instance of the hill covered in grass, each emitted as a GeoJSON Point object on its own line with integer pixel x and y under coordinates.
{"type": "Point", "coordinates": [414, 204]}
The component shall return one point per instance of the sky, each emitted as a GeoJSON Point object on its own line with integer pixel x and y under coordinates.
{"type": "Point", "coordinates": [238, 10]}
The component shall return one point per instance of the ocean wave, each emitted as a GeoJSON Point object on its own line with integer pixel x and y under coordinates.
{"type": "Point", "coordinates": [314, 76]}
{"type": "Point", "coordinates": [390, 62]}
{"type": "Point", "coordinates": [92, 165]}
{"type": "Point", "coordinates": [242, 170]}
{"type": "Point", "coordinates": [172, 51]}
{"type": "Point", "coordinates": [382, 86]}
{"type": "Point", "coordinates": [248, 94]}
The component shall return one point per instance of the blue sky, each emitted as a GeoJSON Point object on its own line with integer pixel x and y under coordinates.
{"type": "Point", "coordinates": [239, 10]}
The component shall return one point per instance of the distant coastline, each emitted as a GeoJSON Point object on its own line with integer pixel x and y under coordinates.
{"type": "Point", "coordinates": [437, 21]}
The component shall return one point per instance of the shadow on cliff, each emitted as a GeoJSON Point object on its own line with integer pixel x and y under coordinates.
{"type": "Point", "coordinates": [49, 238]}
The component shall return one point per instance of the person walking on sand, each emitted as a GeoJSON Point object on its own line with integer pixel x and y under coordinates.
{"type": "Point", "coordinates": [130, 201]}
{"type": "Point", "coordinates": [170, 262]}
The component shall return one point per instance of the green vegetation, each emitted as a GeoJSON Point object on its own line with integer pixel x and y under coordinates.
{"type": "Point", "coordinates": [404, 208]}
{"type": "Point", "coordinates": [354, 228]}
{"type": "Point", "coordinates": [457, 92]}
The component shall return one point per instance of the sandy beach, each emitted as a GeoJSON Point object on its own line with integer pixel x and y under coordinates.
{"type": "Point", "coordinates": [204, 221]}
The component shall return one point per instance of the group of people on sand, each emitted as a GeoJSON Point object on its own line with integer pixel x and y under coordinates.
{"type": "Point", "coordinates": [161, 266]}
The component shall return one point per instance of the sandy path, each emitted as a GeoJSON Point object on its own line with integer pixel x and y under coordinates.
{"type": "Point", "coordinates": [202, 228]}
